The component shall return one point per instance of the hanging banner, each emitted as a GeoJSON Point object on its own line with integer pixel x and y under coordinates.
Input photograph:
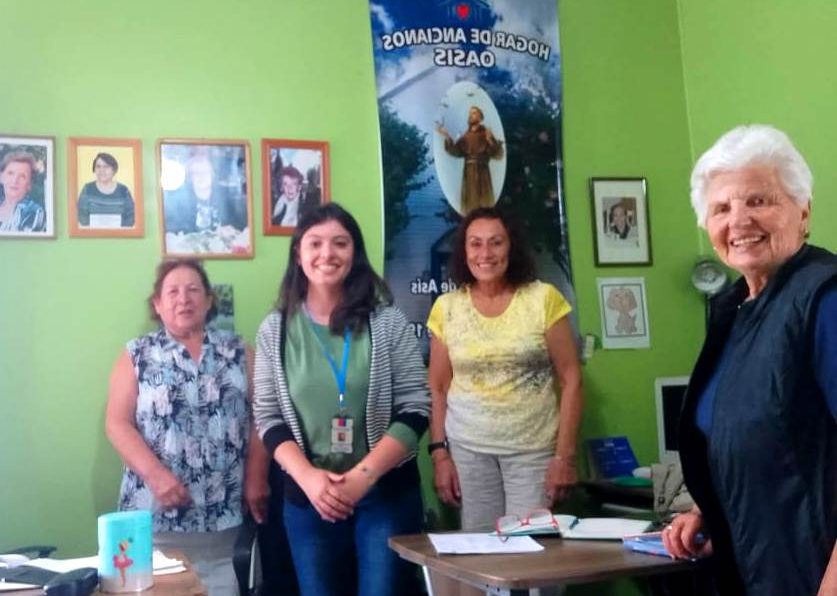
{"type": "Point", "coordinates": [469, 101]}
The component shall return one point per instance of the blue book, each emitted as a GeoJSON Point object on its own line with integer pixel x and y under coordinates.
{"type": "Point", "coordinates": [612, 457]}
{"type": "Point", "coordinates": [650, 543]}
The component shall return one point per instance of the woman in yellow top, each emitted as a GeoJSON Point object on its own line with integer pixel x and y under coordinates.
{"type": "Point", "coordinates": [499, 344]}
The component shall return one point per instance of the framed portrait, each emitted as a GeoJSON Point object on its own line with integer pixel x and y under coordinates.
{"type": "Point", "coordinates": [104, 187]}
{"type": "Point", "coordinates": [205, 198]}
{"type": "Point", "coordinates": [294, 180]}
{"type": "Point", "coordinates": [27, 186]}
{"type": "Point", "coordinates": [624, 312]}
{"type": "Point", "coordinates": [621, 234]}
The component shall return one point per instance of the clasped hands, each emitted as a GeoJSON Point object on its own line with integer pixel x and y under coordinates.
{"type": "Point", "coordinates": [334, 496]}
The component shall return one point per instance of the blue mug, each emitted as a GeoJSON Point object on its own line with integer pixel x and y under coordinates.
{"type": "Point", "coordinates": [125, 548]}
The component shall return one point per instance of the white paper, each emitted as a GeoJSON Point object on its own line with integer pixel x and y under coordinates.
{"type": "Point", "coordinates": [105, 220]}
{"type": "Point", "coordinates": [65, 565]}
{"type": "Point", "coordinates": [170, 570]}
{"type": "Point", "coordinates": [13, 587]}
{"type": "Point", "coordinates": [463, 544]}
{"type": "Point", "coordinates": [12, 560]}
{"type": "Point", "coordinates": [163, 565]}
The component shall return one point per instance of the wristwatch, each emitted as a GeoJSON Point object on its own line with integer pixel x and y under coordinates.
{"type": "Point", "coordinates": [437, 445]}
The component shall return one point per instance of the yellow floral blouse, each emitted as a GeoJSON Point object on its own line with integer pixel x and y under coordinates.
{"type": "Point", "coordinates": [503, 395]}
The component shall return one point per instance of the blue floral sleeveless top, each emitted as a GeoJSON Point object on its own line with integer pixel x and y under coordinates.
{"type": "Point", "coordinates": [194, 417]}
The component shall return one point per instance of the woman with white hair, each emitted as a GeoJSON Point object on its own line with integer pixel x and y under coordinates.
{"type": "Point", "coordinates": [758, 432]}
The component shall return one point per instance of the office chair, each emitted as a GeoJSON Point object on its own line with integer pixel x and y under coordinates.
{"type": "Point", "coordinates": [261, 556]}
{"type": "Point", "coordinates": [245, 558]}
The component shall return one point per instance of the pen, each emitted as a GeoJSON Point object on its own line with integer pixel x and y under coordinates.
{"type": "Point", "coordinates": [573, 523]}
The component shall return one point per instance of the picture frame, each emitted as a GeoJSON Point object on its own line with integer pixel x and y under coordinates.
{"type": "Point", "coordinates": [104, 188]}
{"type": "Point", "coordinates": [624, 312]}
{"type": "Point", "coordinates": [621, 230]}
{"type": "Point", "coordinates": [205, 198]}
{"type": "Point", "coordinates": [27, 186]}
{"type": "Point", "coordinates": [295, 178]}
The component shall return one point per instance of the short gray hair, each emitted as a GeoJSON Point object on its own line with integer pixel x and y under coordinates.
{"type": "Point", "coordinates": [752, 145]}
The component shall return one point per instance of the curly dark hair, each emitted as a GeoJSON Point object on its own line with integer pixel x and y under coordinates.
{"type": "Point", "coordinates": [166, 267]}
{"type": "Point", "coordinates": [521, 270]}
{"type": "Point", "coordinates": [363, 289]}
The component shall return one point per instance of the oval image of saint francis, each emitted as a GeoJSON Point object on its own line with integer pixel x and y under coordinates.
{"type": "Point", "coordinates": [469, 148]}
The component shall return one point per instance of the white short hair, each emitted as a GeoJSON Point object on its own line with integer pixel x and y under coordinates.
{"type": "Point", "coordinates": [752, 145]}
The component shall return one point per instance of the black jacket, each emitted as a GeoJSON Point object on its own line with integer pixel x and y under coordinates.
{"type": "Point", "coordinates": [766, 481]}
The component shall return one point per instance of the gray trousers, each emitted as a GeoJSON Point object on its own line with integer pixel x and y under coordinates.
{"type": "Point", "coordinates": [496, 485]}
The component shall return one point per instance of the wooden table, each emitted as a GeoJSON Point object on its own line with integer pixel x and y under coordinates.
{"type": "Point", "coordinates": [185, 583]}
{"type": "Point", "coordinates": [562, 562]}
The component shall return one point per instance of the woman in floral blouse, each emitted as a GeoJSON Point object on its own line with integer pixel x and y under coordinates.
{"type": "Point", "coordinates": [178, 416]}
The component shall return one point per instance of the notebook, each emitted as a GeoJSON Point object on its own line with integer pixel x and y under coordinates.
{"type": "Point", "coordinates": [589, 528]}
{"type": "Point", "coordinates": [650, 543]}
{"type": "Point", "coordinates": [600, 528]}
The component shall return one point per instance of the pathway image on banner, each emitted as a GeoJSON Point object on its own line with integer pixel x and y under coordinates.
{"type": "Point", "coordinates": [469, 101]}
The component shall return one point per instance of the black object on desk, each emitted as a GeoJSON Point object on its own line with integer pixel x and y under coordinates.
{"type": "Point", "coordinates": [78, 582]}
{"type": "Point", "coordinates": [608, 491]}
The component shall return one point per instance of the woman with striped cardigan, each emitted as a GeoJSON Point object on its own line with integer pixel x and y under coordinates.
{"type": "Point", "coordinates": [340, 402]}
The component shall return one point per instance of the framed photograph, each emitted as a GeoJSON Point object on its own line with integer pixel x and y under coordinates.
{"type": "Point", "coordinates": [104, 187]}
{"type": "Point", "coordinates": [621, 234]}
{"type": "Point", "coordinates": [624, 312]}
{"type": "Point", "coordinates": [27, 186]}
{"type": "Point", "coordinates": [294, 180]}
{"type": "Point", "coordinates": [205, 198]}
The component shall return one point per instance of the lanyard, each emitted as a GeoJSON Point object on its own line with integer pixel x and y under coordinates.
{"type": "Point", "coordinates": [339, 373]}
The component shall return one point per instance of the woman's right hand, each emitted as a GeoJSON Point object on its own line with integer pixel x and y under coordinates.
{"type": "Point", "coordinates": [323, 492]}
{"type": "Point", "coordinates": [168, 491]}
{"type": "Point", "coordinates": [683, 538]}
{"type": "Point", "coordinates": [446, 479]}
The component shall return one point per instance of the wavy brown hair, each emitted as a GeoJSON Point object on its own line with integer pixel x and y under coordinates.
{"type": "Point", "coordinates": [521, 270]}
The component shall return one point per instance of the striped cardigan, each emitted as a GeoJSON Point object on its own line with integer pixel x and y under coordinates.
{"type": "Point", "coordinates": [397, 381]}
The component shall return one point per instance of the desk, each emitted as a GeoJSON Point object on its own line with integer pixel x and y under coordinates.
{"type": "Point", "coordinates": [175, 584]}
{"type": "Point", "coordinates": [563, 562]}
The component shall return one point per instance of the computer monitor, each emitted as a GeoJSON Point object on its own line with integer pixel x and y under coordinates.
{"type": "Point", "coordinates": [669, 393]}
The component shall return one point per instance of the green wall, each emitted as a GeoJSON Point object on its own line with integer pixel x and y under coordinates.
{"type": "Point", "coordinates": [67, 306]}
{"type": "Point", "coordinates": [202, 69]}
{"type": "Point", "coordinates": [626, 116]}
{"type": "Point", "coordinates": [754, 61]}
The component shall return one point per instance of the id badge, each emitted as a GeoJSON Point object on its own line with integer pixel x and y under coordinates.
{"type": "Point", "coordinates": [342, 432]}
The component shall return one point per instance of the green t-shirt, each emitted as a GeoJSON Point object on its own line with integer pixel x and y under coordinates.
{"type": "Point", "coordinates": [314, 390]}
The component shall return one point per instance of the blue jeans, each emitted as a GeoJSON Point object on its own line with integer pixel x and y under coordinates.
{"type": "Point", "coordinates": [351, 557]}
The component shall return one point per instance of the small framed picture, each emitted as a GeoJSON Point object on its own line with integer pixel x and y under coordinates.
{"type": "Point", "coordinates": [295, 179]}
{"type": "Point", "coordinates": [27, 186]}
{"type": "Point", "coordinates": [205, 198]}
{"type": "Point", "coordinates": [621, 234]}
{"type": "Point", "coordinates": [104, 187]}
{"type": "Point", "coordinates": [624, 312]}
